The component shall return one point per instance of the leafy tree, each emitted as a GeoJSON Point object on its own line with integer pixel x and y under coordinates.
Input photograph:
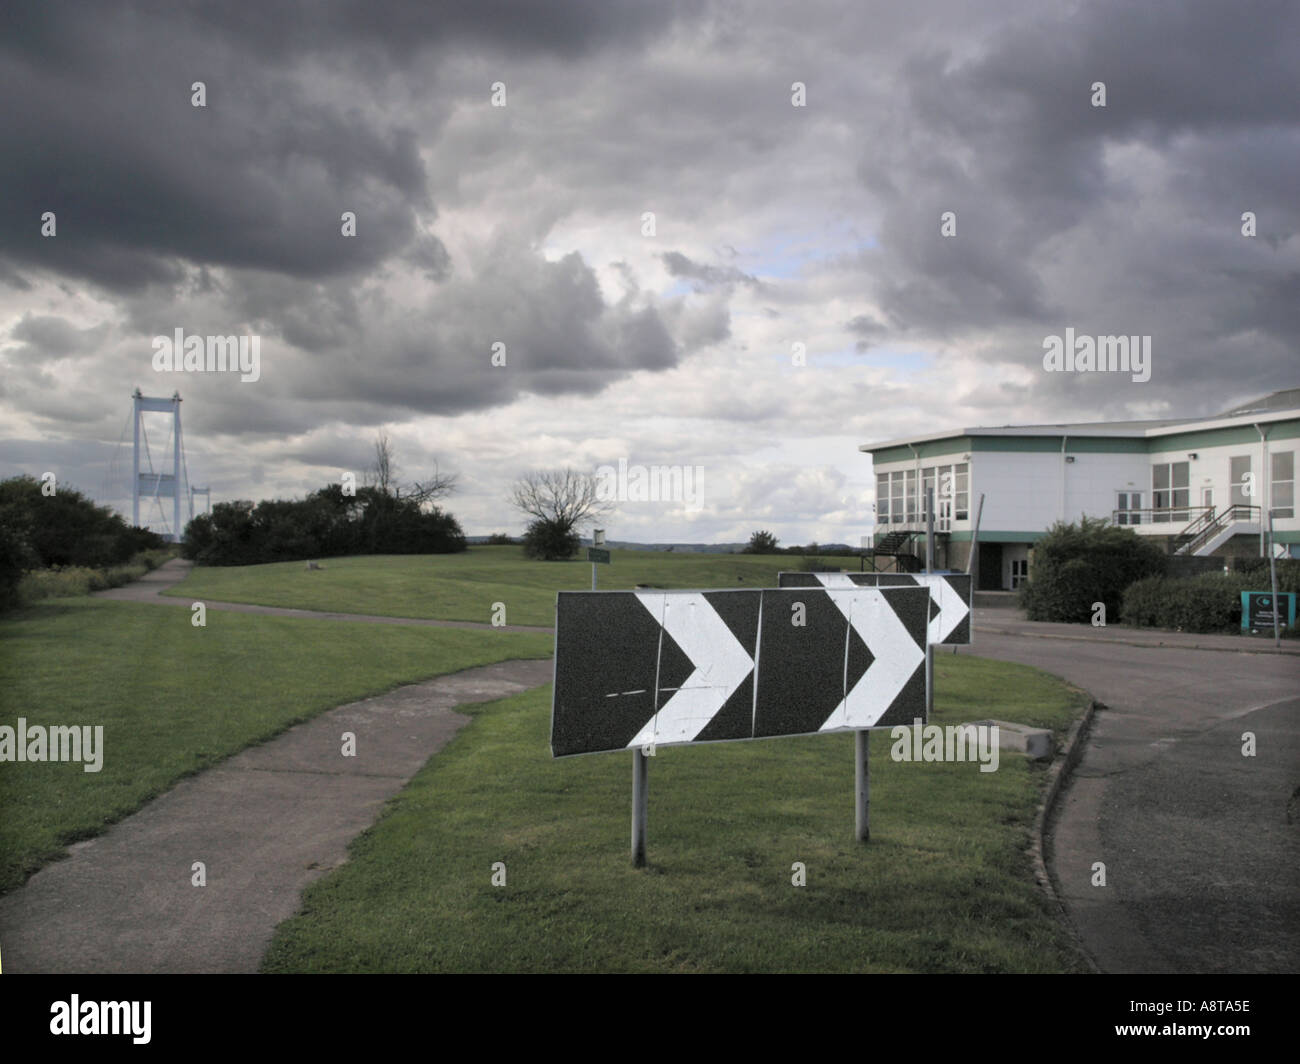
{"type": "Point", "coordinates": [68, 528]}
{"type": "Point", "coordinates": [547, 541]}
{"type": "Point", "coordinates": [325, 524]}
{"type": "Point", "coordinates": [761, 543]}
{"type": "Point", "coordinates": [1075, 566]}
{"type": "Point", "coordinates": [16, 555]}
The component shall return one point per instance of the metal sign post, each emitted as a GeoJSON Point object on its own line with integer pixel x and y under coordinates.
{"type": "Point", "coordinates": [929, 568]}
{"type": "Point", "coordinates": [595, 554]}
{"type": "Point", "coordinates": [862, 779]}
{"type": "Point", "coordinates": [637, 670]}
{"type": "Point", "coordinates": [640, 804]}
{"type": "Point", "coordinates": [1272, 577]}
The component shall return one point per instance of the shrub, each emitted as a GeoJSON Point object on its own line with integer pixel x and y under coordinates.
{"type": "Point", "coordinates": [16, 557]}
{"type": "Point", "coordinates": [1075, 566]}
{"type": "Point", "coordinates": [761, 542]}
{"type": "Point", "coordinates": [67, 528]}
{"type": "Point", "coordinates": [550, 541]}
{"type": "Point", "coordinates": [1210, 602]}
{"type": "Point", "coordinates": [325, 524]}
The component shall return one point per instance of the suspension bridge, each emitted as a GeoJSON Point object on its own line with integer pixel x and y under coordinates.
{"type": "Point", "coordinates": [149, 484]}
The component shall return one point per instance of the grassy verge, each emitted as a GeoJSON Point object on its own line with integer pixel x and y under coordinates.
{"type": "Point", "coordinates": [463, 587]}
{"type": "Point", "coordinates": [174, 699]}
{"type": "Point", "coordinates": [944, 885]}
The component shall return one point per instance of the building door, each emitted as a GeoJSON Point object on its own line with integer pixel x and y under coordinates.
{"type": "Point", "coordinates": [990, 567]}
{"type": "Point", "coordinates": [1019, 572]}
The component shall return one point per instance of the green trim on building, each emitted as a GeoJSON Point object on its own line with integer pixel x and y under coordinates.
{"type": "Point", "coordinates": [957, 445]}
{"type": "Point", "coordinates": [1241, 435]}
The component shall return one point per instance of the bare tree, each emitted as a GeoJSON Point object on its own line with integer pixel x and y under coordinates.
{"type": "Point", "coordinates": [383, 470]}
{"type": "Point", "coordinates": [561, 497]}
{"type": "Point", "coordinates": [383, 475]}
{"type": "Point", "coordinates": [439, 486]}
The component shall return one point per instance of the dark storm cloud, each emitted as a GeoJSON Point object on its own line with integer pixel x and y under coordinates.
{"type": "Point", "coordinates": [559, 336]}
{"type": "Point", "coordinates": [1117, 219]}
{"type": "Point", "coordinates": [141, 181]}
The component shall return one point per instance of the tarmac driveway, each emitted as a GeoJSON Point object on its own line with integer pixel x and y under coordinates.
{"type": "Point", "coordinates": [1201, 845]}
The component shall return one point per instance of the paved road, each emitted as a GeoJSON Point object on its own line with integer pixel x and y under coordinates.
{"type": "Point", "coordinates": [1201, 844]}
{"type": "Point", "coordinates": [265, 823]}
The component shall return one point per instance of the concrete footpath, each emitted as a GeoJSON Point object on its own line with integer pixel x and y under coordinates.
{"type": "Point", "coordinates": [265, 824]}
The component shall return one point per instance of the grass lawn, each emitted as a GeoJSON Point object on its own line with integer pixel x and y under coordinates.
{"type": "Point", "coordinates": [944, 885]}
{"type": "Point", "coordinates": [463, 587]}
{"type": "Point", "coordinates": [174, 699]}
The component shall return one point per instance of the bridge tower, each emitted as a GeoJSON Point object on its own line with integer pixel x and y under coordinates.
{"type": "Point", "coordinates": [152, 484]}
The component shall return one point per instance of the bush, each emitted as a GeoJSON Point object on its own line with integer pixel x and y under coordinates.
{"type": "Point", "coordinates": [67, 528]}
{"type": "Point", "coordinates": [16, 557]}
{"type": "Point", "coordinates": [1210, 602]}
{"type": "Point", "coordinates": [550, 541]}
{"type": "Point", "coordinates": [1075, 566]}
{"type": "Point", "coordinates": [762, 542]}
{"type": "Point", "coordinates": [325, 524]}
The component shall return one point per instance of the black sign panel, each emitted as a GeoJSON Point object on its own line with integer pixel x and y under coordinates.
{"type": "Point", "coordinates": [950, 592]}
{"type": "Point", "coordinates": [634, 668]}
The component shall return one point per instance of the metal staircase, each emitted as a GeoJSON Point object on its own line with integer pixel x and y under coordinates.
{"type": "Point", "coordinates": [1211, 530]}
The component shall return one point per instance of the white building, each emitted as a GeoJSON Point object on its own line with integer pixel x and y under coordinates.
{"type": "Point", "coordinates": [1201, 485]}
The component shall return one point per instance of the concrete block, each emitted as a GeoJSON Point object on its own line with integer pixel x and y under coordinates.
{"type": "Point", "coordinates": [1021, 739]}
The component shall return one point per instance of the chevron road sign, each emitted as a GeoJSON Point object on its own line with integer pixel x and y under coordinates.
{"type": "Point", "coordinates": [660, 668]}
{"type": "Point", "coordinates": [951, 593]}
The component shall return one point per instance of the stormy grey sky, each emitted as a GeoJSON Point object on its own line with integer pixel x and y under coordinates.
{"type": "Point", "coordinates": [774, 225]}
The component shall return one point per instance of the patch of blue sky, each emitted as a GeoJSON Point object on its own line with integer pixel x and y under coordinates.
{"type": "Point", "coordinates": [877, 357]}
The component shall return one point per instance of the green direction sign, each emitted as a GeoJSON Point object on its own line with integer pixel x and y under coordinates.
{"type": "Point", "coordinates": [1259, 607]}
{"type": "Point", "coordinates": [595, 554]}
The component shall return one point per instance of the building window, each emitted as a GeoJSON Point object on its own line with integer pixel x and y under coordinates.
{"type": "Point", "coordinates": [896, 512]}
{"type": "Point", "coordinates": [929, 490]}
{"type": "Point", "coordinates": [1128, 506]}
{"type": "Point", "coordinates": [1243, 491]}
{"type": "Point", "coordinates": [1282, 490]}
{"type": "Point", "coordinates": [1169, 490]}
{"type": "Point", "coordinates": [882, 498]}
{"type": "Point", "coordinates": [962, 486]}
{"type": "Point", "coordinates": [913, 504]}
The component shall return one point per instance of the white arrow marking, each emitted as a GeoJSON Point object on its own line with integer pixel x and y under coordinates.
{"type": "Point", "coordinates": [952, 607]}
{"type": "Point", "coordinates": [893, 649]}
{"type": "Point", "coordinates": [835, 580]}
{"type": "Point", "coordinates": [721, 665]}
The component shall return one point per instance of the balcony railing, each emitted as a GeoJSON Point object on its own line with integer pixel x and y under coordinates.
{"type": "Point", "coordinates": [1167, 515]}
